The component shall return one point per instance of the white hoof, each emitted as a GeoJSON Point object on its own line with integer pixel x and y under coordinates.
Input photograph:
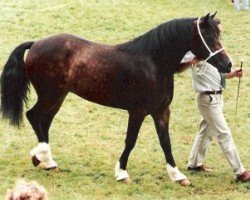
{"type": "Point", "coordinates": [49, 165]}
{"type": "Point", "coordinates": [126, 180]}
{"type": "Point", "coordinates": [184, 182]}
{"type": "Point", "coordinates": [41, 156]}
{"type": "Point", "coordinates": [177, 176]}
{"type": "Point", "coordinates": [121, 174]}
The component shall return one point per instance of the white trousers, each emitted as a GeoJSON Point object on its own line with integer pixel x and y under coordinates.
{"type": "Point", "coordinates": [245, 4]}
{"type": "Point", "coordinates": [213, 124]}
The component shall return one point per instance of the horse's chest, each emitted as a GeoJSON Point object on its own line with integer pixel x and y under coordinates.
{"type": "Point", "coordinates": [164, 91]}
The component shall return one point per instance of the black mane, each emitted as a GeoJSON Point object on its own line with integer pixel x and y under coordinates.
{"type": "Point", "coordinates": [158, 39]}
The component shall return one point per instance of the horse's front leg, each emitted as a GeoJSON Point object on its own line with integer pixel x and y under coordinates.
{"type": "Point", "coordinates": [161, 120]}
{"type": "Point", "coordinates": [134, 125]}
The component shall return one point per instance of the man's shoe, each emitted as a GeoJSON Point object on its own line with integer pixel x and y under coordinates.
{"type": "Point", "coordinates": [201, 168]}
{"type": "Point", "coordinates": [244, 177]}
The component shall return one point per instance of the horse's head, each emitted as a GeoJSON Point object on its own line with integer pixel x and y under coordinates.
{"type": "Point", "coordinates": [206, 45]}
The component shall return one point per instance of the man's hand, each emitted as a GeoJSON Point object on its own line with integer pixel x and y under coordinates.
{"type": "Point", "coordinates": [238, 73]}
{"type": "Point", "coordinates": [235, 73]}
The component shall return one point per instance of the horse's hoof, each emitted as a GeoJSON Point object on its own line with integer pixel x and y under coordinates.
{"type": "Point", "coordinates": [46, 167]}
{"type": "Point", "coordinates": [35, 161]}
{"type": "Point", "coordinates": [43, 165]}
{"type": "Point", "coordinates": [54, 169]}
{"type": "Point", "coordinates": [184, 182]}
{"type": "Point", "coordinates": [125, 180]}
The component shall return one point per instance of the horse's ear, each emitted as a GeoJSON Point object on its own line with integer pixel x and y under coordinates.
{"type": "Point", "coordinates": [206, 18]}
{"type": "Point", "coordinates": [212, 16]}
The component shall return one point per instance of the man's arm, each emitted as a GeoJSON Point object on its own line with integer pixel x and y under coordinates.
{"type": "Point", "coordinates": [234, 73]}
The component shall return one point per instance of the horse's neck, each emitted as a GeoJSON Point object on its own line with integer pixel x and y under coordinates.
{"type": "Point", "coordinates": [174, 52]}
{"type": "Point", "coordinates": [169, 62]}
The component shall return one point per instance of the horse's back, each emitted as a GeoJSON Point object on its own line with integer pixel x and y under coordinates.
{"type": "Point", "coordinates": [96, 72]}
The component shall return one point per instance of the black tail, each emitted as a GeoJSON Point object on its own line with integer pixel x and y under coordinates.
{"type": "Point", "coordinates": [14, 85]}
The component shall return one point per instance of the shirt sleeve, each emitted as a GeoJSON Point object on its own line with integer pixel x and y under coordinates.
{"type": "Point", "coordinates": [188, 57]}
{"type": "Point", "coordinates": [200, 68]}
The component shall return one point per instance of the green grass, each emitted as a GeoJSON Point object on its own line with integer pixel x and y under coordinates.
{"type": "Point", "coordinates": [87, 139]}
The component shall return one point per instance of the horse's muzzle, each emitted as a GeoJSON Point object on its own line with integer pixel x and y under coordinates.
{"type": "Point", "coordinates": [229, 66]}
{"type": "Point", "coordinates": [225, 68]}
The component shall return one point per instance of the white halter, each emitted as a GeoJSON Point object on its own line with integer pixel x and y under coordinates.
{"type": "Point", "coordinates": [211, 54]}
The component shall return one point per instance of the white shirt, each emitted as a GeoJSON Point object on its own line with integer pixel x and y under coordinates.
{"type": "Point", "coordinates": [205, 77]}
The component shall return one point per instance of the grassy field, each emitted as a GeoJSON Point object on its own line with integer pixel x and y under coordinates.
{"type": "Point", "coordinates": [87, 139]}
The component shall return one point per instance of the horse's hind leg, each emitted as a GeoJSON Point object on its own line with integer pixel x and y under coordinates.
{"type": "Point", "coordinates": [40, 117]}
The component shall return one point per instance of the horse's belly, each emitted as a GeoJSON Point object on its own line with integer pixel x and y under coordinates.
{"type": "Point", "coordinates": [96, 88]}
{"type": "Point", "coordinates": [105, 90]}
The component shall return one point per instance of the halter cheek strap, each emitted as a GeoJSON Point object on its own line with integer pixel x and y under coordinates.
{"type": "Point", "coordinates": [211, 54]}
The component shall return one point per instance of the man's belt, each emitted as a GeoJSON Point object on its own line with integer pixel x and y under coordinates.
{"type": "Point", "coordinates": [213, 92]}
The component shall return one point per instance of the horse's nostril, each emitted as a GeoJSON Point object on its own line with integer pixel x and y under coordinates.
{"type": "Point", "coordinates": [229, 65]}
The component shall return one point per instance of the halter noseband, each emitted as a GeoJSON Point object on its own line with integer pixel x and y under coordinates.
{"type": "Point", "coordinates": [211, 54]}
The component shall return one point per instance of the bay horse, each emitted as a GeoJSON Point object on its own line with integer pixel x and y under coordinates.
{"type": "Point", "coordinates": [137, 76]}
